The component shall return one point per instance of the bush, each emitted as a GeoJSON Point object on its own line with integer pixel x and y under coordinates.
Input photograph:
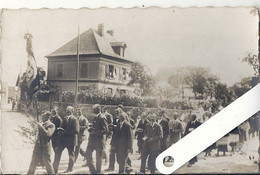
{"type": "Point", "coordinates": [93, 97]}
{"type": "Point", "coordinates": [30, 132]}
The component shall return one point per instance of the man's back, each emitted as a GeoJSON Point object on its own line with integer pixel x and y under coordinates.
{"type": "Point", "coordinates": [56, 120]}
{"type": "Point", "coordinates": [99, 131]}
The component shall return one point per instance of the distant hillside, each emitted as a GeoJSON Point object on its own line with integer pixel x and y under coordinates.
{"type": "Point", "coordinates": [164, 73]}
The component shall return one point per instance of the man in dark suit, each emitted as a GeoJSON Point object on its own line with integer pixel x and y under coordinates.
{"type": "Point", "coordinates": [112, 129]}
{"type": "Point", "coordinates": [42, 148]}
{"type": "Point", "coordinates": [83, 125]}
{"type": "Point", "coordinates": [97, 138]}
{"type": "Point", "coordinates": [120, 108]}
{"type": "Point", "coordinates": [140, 131]}
{"type": "Point", "coordinates": [122, 142]}
{"type": "Point", "coordinates": [162, 120]}
{"type": "Point", "coordinates": [193, 124]}
{"type": "Point", "coordinates": [69, 139]}
{"type": "Point", "coordinates": [152, 135]}
{"type": "Point", "coordinates": [57, 121]}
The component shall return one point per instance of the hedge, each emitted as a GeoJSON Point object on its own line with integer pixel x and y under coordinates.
{"type": "Point", "coordinates": [93, 97]}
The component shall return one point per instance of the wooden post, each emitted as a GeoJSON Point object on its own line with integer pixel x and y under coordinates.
{"type": "Point", "coordinates": [77, 70]}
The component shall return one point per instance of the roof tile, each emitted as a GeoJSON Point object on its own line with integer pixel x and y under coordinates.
{"type": "Point", "coordinates": [90, 43]}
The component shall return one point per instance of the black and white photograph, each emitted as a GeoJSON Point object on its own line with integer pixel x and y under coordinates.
{"type": "Point", "coordinates": [105, 91]}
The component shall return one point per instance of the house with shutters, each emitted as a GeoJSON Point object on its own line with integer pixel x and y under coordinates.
{"type": "Point", "coordinates": [102, 64]}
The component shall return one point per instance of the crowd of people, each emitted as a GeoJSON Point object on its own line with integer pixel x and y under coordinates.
{"type": "Point", "coordinates": [154, 131]}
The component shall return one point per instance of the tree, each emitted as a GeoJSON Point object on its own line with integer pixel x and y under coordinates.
{"type": "Point", "coordinates": [224, 94]}
{"type": "Point", "coordinates": [253, 61]}
{"type": "Point", "coordinates": [139, 75]}
{"type": "Point", "coordinates": [211, 84]}
{"type": "Point", "coordinates": [196, 77]}
{"type": "Point", "coordinates": [242, 87]}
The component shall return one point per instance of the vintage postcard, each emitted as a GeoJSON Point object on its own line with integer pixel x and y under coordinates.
{"type": "Point", "coordinates": [92, 91]}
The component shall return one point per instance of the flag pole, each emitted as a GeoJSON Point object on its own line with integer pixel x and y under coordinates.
{"type": "Point", "coordinates": [77, 70]}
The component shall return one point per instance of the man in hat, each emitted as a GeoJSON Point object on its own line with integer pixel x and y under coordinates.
{"type": "Point", "coordinates": [122, 142]}
{"type": "Point", "coordinates": [13, 104]}
{"type": "Point", "coordinates": [69, 139]}
{"type": "Point", "coordinates": [97, 138]}
{"type": "Point", "coordinates": [132, 123]}
{"type": "Point", "coordinates": [140, 130]}
{"type": "Point", "coordinates": [118, 111]}
{"type": "Point", "coordinates": [152, 135]}
{"type": "Point", "coordinates": [162, 120]}
{"type": "Point", "coordinates": [112, 129]}
{"type": "Point", "coordinates": [128, 117]}
{"type": "Point", "coordinates": [83, 125]}
{"type": "Point", "coordinates": [42, 148]}
{"type": "Point", "coordinates": [193, 124]}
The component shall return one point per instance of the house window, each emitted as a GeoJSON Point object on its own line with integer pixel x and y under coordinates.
{"type": "Point", "coordinates": [110, 72]}
{"type": "Point", "coordinates": [59, 70]}
{"type": "Point", "coordinates": [84, 70]}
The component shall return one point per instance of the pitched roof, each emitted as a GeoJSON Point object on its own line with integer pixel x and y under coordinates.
{"type": "Point", "coordinates": [90, 43]}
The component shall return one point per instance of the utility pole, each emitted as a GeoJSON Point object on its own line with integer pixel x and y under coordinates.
{"type": "Point", "coordinates": [77, 70]}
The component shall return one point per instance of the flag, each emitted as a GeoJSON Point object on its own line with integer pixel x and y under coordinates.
{"type": "Point", "coordinates": [18, 80]}
{"type": "Point", "coordinates": [31, 70]}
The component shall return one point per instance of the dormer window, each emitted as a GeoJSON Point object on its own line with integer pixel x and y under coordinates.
{"type": "Point", "coordinates": [119, 48]}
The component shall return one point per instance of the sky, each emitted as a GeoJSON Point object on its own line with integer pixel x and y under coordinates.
{"type": "Point", "coordinates": [159, 38]}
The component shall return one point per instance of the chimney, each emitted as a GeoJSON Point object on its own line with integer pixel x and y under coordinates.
{"type": "Point", "coordinates": [111, 32]}
{"type": "Point", "coordinates": [101, 30]}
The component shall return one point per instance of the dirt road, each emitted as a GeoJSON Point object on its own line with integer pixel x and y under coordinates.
{"type": "Point", "coordinates": [17, 151]}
